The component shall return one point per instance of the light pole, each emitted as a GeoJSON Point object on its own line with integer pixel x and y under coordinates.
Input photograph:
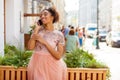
{"type": "Point", "coordinates": [97, 39]}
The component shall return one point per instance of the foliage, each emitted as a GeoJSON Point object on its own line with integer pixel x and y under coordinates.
{"type": "Point", "coordinates": [15, 57]}
{"type": "Point", "coordinates": [81, 58]}
{"type": "Point", "coordinates": [32, 28]}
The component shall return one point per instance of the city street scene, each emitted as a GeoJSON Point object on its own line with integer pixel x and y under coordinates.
{"type": "Point", "coordinates": [59, 39]}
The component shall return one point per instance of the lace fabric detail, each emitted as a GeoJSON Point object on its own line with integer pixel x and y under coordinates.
{"type": "Point", "coordinates": [52, 37]}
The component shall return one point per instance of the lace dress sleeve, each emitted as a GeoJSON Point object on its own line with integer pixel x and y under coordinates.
{"type": "Point", "coordinates": [61, 39]}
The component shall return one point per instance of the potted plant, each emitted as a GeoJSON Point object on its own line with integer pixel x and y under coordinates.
{"type": "Point", "coordinates": [82, 65]}
{"type": "Point", "coordinates": [13, 64]}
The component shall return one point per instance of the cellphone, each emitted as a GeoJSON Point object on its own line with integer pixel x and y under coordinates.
{"type": "Point", "coordinates": [39, 22]}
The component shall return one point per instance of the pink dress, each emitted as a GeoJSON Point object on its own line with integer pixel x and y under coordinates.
{"type": "Point", "coordinates": [43, 66]}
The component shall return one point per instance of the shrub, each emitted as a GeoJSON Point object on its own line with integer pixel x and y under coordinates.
{"type": "Point", "coordinates": [32, 28]}
{"type": "Point", "coordinates": [80, 58]}
{"type": "Point", "coordinates": [15, 57]}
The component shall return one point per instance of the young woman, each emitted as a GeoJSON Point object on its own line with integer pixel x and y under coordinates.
{"type": "Point", "coordinates": [48, 44]}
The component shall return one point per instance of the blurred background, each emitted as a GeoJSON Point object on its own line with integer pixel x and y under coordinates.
{"type": "Point", "coordinates": [100, 20]}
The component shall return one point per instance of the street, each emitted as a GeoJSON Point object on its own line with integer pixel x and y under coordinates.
{"type": "Point", "coordinates": [108, 55]}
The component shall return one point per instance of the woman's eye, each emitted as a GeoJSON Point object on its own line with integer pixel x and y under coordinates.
{"type": "Point", "coordinates": [45, 14]}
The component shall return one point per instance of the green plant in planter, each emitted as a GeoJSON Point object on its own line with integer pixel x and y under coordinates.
{"type": "Point", "coordinates": [15, 57]}
{"type": "Point", "coordinates": [32, 28]}
{"type": "Point", "coordinates": [80, 58]}
{"type": "Point", "coordinates": [1, 59]}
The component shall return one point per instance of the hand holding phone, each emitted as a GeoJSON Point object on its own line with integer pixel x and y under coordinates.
{"type": "Point", "coordinates": [38, 26]}
{"type": "Point", "coordinates": [39, 22]}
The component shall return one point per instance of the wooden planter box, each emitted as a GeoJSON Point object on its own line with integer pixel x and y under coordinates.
{"type": "Point", "coordinates": [86, 74]}
{"type": "Point", "coordinates": [11, 73]}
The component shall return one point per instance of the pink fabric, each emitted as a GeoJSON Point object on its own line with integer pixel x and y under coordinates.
{"type": "Point", "coordinates": [43, 66]}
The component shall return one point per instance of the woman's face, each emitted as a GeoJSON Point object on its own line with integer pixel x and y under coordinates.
{"type": "Point", "coordinates": [46, 17]}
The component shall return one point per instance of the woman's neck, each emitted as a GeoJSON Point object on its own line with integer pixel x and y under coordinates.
{"type": "Point", "coordinates": [49, 27]}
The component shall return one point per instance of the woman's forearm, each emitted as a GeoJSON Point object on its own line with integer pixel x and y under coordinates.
{"type": "Point", "coordinates": [56, 54]}
{"type": "Point", "coordinates": [31, 43]}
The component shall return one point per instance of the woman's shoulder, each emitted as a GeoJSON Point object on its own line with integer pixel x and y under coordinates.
{"type": "Point", "coordinates": [58, 32]}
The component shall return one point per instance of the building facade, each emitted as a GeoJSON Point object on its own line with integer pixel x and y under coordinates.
{"type": "Point", "coordinates": [10, 23]}
{"type": "Point", "coordinates": [115, 25]}
{"type": "Point", "coordinates": [1, 27]}
{"type": "Point", "coordinates": [72, 18]}
{"type": "Point", "coordinates": [13, 23]}
{"type": "Point", "coordinates": [60, 4]}
{"type": "Point", "coordinates": [105, 12]}
{"type": "Point", "coordinates": [109, 14]}
{"type": "Point", "coordinates": [87, 12]}
{"type": "Point", "coordinates": [37, 5]}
